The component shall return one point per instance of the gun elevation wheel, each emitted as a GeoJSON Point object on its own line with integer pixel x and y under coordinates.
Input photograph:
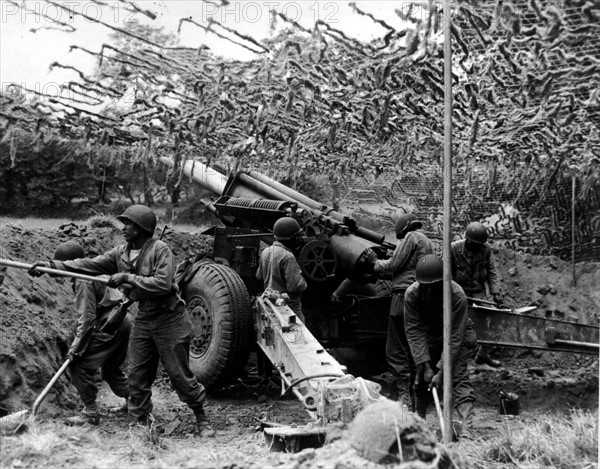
{"type": "Point", "coordinates": [221, 312]}
{"type": "Point", "coordinates": [318, 261]}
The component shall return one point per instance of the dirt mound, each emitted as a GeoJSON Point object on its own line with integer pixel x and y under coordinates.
{"type": "Point", "coordinates": [546, 282]}
{"type": "Point", "coordinates": [38, 320]}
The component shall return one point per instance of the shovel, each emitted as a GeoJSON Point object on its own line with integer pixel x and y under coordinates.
{"type": "Point", "coordinates": [522, 310]}
{"type": "Point", "coordinates": [47, 270]}
{"type": "Point", "coordinates": [13, 423]}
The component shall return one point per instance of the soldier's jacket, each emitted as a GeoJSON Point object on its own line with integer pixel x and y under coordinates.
{"type": "Point", "coordinates": [93, 303]}
{"type": "Point", "coordinates": [424, 322]}
{"type": "Point", "coordinates": [279, 270]}
{"type": "Point", "coordinates": [152, 275]}
{"type": "Point", "coordinates": [404, 260]}
{"type": "Point", "coordinates": [472, 270]}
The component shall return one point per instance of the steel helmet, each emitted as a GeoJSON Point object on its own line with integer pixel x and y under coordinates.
{"type": "Point", "coordinates": [375, 431]}
{"type": "Point", "coordinates": [430, 269]}
{"type": "Point", "coordinates": [285, 228]}
{"type": "Point", "coordinates": [68, 251]}
{"type": "Point", "coordinates": [141, 215]}
{"type": "Point", "coordinates": [405, 223]}
{"type": "Point", "coordinates": [477, 233]}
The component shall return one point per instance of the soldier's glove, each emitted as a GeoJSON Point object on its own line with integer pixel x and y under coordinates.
{"type": "Point", "coordinates": [437, 381]}
{"type": "Point", "coordinates": [116, 280]}
{"type": "Point", "coordinates": [34, 272]}
{"type": "Point", "coordinates": [498, 299]}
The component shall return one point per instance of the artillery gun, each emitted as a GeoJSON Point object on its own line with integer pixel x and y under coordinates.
{"type": "Point", "coordinates": [346, 305]}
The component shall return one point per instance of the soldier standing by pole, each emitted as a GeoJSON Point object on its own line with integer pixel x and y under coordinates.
{"type": "Point", "coordinates": [424, 322]}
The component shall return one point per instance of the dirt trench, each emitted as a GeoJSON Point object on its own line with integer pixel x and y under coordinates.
{"type": "Point", "coordinates": [37, 319]}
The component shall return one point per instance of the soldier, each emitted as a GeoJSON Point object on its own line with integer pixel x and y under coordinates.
{"type": "Point", "coordinates": [473, 267]}
{"type": "Point", "coordinates": [413, 245]}
{"type": "Point", "coordinates": [163, 328]}
{"type": "Point", "coordinates": [424, 322]}
{"type": "Point", "coordinates": [278, 268]}
{"type": "Point", "coordinates": [93, 350]}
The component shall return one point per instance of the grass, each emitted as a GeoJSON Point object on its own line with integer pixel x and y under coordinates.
{"type": "Point", "coordinates": [551, 442]}
{"type": "Point", "coordinates": [568, 442]}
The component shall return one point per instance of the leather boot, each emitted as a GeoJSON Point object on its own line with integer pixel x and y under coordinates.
{"type": "Point", "coordinates": [87, 416]}
{"type": "Point", "coordinates": [466, 414]}
{"type": "Point", "coordinates": [120, 409]}
{"type": "Point", "coordinates": [204, 426]}
{"type": "Point", "coordinates": [483, 358]}
{"type": "Point", "coordinates": [406, 395]}
{"type": "Point", "coordinates": [421, 407]}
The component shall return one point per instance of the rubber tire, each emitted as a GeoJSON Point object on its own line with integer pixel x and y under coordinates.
{"type": "Point", "coordinates": [217, 292]}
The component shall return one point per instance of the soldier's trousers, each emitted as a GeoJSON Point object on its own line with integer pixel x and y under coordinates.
{"type": "Point", "coordinates": [397, 351]}
{"type": "Point", "coordinates": [167, 338]}
{"type": "Point", "coordinates": [106, 353]}
{"type": "Point", "coordinates": [461, 385]}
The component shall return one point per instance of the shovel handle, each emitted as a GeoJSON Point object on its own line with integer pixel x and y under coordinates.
{"type": "Point", "coordinates": [42, 395]}
{"type": "Point", "coordinates": [485, 302]}
{"type": "Point", "coordinates": [438, 409]}
{"type": "Point", "coordinates": [62, 273]}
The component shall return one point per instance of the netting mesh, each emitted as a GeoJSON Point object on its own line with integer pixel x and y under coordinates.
{"type": "Point", "coordinates": [526, 91]}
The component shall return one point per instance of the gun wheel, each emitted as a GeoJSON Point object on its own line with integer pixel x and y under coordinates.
{"type": "Point", "coordinates": [221, 313]}
{"type": "Point", "coordinates": [318, 261]}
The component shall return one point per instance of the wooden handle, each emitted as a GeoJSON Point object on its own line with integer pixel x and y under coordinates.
{"type": "Point", "coordinates": [62, 273]}
{"type": "Point", "coordinates": [438, 409]}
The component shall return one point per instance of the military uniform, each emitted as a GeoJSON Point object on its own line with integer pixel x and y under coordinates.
{"type": "Point", "coordinates": [473, 270]}
{"type": "Point", "coordinates": [279, 270]}
{"type": "Point", "coordinates": [424, 322]}
{"type": "Point", "coordinates": [92, 349]}
{"type": "Point", "coordinates": [402, 263]}
{"type": "Point", "coordinates": [162, 329]}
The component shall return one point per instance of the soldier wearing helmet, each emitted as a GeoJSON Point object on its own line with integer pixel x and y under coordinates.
{"type": "Point", "coordinates": [474, 268]}
{"type": "Point", "coordinates": [413, 245]}
{"type": "Point", "coordinates": [91, 350]}
{"type": "Point", "coordinates": [278, 268]}
{"type": "Point", "coordinates": [424, 322]}
{"type": "Point", "coordinates": [145, 267]}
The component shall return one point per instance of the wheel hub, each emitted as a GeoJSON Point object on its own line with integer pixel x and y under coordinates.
{"type": "Point", "coordinates": [202, 322]}
{"type": "Point", "coordinates": [318, 261]}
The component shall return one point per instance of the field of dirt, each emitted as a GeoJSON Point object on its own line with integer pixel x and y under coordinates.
{"type": "Point", "coordinates": [37, 324]}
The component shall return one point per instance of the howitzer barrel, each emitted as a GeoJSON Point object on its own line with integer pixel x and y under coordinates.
{"type": "Point", "coordinates": [201, 174]}
{"type": "Point", "coordinates": [256, 185]}
{"type": "Point", "coordinates": [306, 202]}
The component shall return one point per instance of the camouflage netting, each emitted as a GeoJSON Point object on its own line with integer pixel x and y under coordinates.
{"type": "Point", "coordinates": [526, 90]}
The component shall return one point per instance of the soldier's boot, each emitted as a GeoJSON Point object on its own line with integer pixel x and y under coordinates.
{"type": "Point", "coordinates": [120, 409]}
{"type": "Point", "coordinates": [406, 395]}
{"type": "Point", "coordinates": [88, 415]}
{"type": "Point", "coordinates": [421, 407]}
{"type": "Point", "coordinates": [466, 414]}
{"type": "Point", "coordinates": [204, 426]}
{"type": "Point", "coordinates": [483, 358]}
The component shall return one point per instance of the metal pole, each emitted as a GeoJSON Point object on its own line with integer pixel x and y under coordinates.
{"type": "Point", "coordinates": [573, 184]}
{"type": "Point", "coordinates": [447, 365]}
